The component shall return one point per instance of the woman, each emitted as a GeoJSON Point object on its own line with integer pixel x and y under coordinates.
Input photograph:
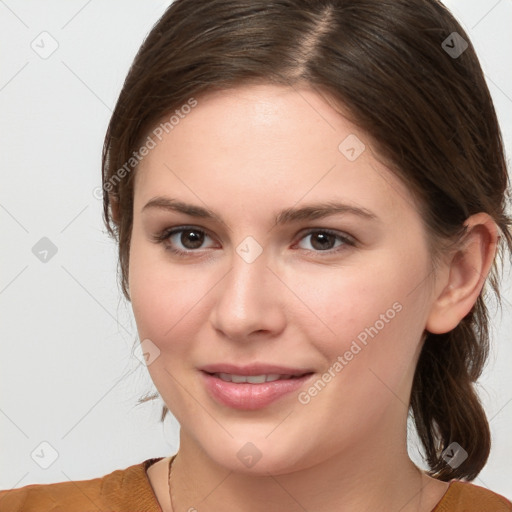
{"type": "Point", "coordinates": [309, 197]}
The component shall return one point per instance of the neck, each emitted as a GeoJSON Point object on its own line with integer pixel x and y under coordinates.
{"type": "Point", "coordinates": [362, 478]}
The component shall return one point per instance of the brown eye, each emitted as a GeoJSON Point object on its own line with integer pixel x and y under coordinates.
{"type": "Point", "coordinates": [184, 241]}
{"type": "Point", "coordinates": [191, 238]}
{"type": "Point", "coordinates": [326, 240]}
{"type": "Point", "coordinates": [322, 241]}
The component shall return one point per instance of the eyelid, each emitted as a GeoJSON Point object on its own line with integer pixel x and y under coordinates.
{"type": "Point", "coordinates": [164, 235]}
{"type": "Point", "coordinates": [341, 234]}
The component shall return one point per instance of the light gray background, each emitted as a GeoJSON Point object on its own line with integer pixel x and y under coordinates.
{"type": "Point", "coordinates": [68, 375]}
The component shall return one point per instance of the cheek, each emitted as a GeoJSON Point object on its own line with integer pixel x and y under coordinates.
{"type": "Point", "coordinates": [167, 299]}
{"type": "Point", "coordinates": [166, 305]}
{"type": "Point", "coordinates": [151, 290]}
{"type": "Point", "coordinates": [371, 316]}
{"type": "Point", "coordinates": [347, 300]}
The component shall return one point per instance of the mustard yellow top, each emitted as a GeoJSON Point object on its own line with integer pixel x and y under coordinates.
{"type": "Point", "coordinates": [129, 490]}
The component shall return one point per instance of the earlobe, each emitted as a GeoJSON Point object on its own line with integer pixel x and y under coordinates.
{"type": "Point", "coordinates": [468, 268]}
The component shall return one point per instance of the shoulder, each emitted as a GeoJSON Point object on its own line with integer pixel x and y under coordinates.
{"type": "Point", "coordinates": [123, 489]}
{"type": "Point", "coordinates": [467, 497]}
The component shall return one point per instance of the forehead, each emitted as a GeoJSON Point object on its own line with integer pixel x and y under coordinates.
{"type": "Point", "coordinates": [257, 119]}
{"type": "Point", "coordinates": [260, 146]}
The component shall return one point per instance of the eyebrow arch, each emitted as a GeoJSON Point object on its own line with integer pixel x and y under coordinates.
{"type": "Point", "coordinates": [308, 212]}
{"type": "Point", "coordinates": [320, 210]}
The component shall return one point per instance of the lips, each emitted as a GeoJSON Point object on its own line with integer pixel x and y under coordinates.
{"type": "Point", "coordinates": [252, 379]}
{"type": "Point", "coordinates": [253, 386]}
{"type": "Point", "coordinates": [255, 369]}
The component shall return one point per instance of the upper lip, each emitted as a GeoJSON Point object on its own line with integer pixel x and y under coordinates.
{"type": "Point", "coordinates": [253, 369]}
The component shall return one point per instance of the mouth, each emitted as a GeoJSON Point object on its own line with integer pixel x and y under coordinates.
{"type": "Point", "coordinates": [252, 387]}
{"type": "Point", "coordinates": [255, 370]}
{"type": "Point", "coordinates": [254, 379]}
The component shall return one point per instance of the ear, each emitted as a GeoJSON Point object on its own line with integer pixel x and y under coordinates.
{"type": "Point", "coordinates": [465, 276]}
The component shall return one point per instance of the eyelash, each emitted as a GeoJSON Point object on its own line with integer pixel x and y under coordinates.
{"type": "Point", "coordinates": [164, 236]}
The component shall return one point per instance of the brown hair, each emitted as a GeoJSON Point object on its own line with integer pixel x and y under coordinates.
{"type": "Point", "coordinates": [428, 111]}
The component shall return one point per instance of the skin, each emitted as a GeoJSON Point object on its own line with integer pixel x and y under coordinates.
{"type": "Point", "coordinates": [246, 154]}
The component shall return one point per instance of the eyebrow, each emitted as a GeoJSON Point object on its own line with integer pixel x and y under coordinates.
{"type": "Point", "coordinates": [308, 212]}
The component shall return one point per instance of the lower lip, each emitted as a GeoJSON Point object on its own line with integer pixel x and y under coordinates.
{"type": "Point", "coordinates": [251, 396]}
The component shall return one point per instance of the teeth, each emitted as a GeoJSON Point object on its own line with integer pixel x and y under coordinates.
{"type": "Point", "coordinates": [252, 379]}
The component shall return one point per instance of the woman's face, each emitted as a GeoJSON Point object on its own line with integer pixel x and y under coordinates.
{"type": "Point", "coordinates": [304, 262]}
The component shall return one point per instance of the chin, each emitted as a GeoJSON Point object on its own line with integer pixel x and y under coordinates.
{"type": "Point", "coordinates": [260, 455]}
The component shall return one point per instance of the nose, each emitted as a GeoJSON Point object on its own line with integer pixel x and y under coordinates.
{"type": "Point", "coordinates": [249, 301]}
